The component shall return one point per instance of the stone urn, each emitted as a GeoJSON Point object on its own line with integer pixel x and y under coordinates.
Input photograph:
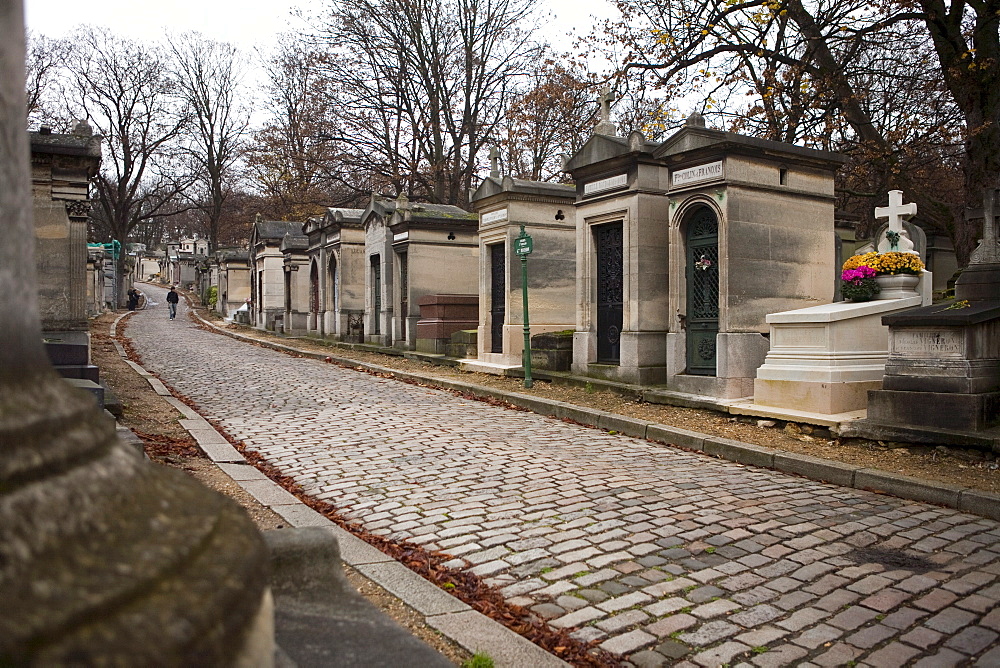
{"type": "Point", "coordinates": [897, 286]}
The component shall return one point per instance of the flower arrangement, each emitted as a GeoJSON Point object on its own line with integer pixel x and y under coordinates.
{"type": "Point", "coordinates": [893, 262]}
{"type": "Point", "coordinates": [704, 264]}
{"type": "Point", "coordinates": [858, 284]}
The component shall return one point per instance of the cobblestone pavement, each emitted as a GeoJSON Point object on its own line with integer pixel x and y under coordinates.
{"type": "Point", "coordinates": [664, 556]}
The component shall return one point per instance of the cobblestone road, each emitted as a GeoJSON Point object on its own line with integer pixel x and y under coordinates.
{"type": "Point", "coordinates": [666, 557]}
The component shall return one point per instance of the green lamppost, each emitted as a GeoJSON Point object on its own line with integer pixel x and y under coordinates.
{"type": "Point", "coordinates": [523, 246]}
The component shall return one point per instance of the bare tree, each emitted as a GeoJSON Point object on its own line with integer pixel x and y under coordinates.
{"type": "Point", "coordinates": [846, 75]}
{"type": "Point", "coordinates": [296, 159]}
{"type": "Point", "coordinates": [126, 92]}
{"type": "Point", "coordinates": [43, 65]}
{"type": "Point", "coordinates": [420, 86]}
{"type": "Point", "coordinates": [551, 118]}
{"type": "Point", "coordinates": [208, 80]}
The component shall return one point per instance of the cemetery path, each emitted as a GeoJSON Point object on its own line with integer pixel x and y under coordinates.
{"type": "Point", "coordinates": [663, 556]}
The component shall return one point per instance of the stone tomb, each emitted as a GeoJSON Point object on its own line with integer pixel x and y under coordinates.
{"type": "Point", "coordinates": [684, 247]}
{"type": "Point", "coordinates": [378, 270]}
{"type": "Point", "coordinates": [267, 273]}
{"type": "Point", "coordinates": [942, 378]}
{"type": "Point", "coordinates": [824, 359]}
{"type": "Point", "coordinates": [337, 274]}
{"type": "Point", "coordinates": [548, 213]}
{"type": "Point", "coordinates": [61, 168]}
{"type": "Point", "coordinates": [435, 250]}
{"type": "Point", "coordinates": [234, 280]}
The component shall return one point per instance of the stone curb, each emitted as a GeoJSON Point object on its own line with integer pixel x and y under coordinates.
{"type": "Point", "coordinates": [450, 616]}
{"type": "Point", "coordinates": [821, 470]}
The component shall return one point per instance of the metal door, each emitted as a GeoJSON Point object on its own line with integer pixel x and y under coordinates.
{"type": "Point", "coordinates": [376, 295]}
{"type": "Point", "coordinates": [608, 241]}
{"type": "Point", "coordinates": [702, 292]}
{"type": "Point", "coordinates": [498, 296]}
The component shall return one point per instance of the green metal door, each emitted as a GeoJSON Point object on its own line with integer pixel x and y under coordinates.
{"type": "Point", "coordinates": [702, 242]}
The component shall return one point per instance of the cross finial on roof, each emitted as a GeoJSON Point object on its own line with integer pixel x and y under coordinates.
{"type": "Point", "coordinates": [605, 126]}
{"type": "Point", "coordinates": [495, 162]}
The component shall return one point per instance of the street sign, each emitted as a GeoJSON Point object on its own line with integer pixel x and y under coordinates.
{"type": "Point", "coordinates": [523, 245]}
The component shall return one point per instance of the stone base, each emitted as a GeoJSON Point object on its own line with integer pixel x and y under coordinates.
{"type": "Point", "coordinates": [936, 410]}
{"type": "Point", "coordinates": [978, 282]}
{"type": "Point", "coordinates": [711, 386]}
{"type": "Point", "coordinates": [653, 375]}
{"type": "Point", "coordinates": [814, 397]}
{"type": "Point", "coordinates": [985, 440]}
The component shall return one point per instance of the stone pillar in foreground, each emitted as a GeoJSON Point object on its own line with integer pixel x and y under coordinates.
{"type": "Point", "coordinates": [105, 559]}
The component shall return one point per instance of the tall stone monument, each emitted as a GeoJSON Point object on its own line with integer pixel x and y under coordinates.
{"type": "Point", "coordinates": [105, 558]}
{"type": "Point", "coordinates": [942, 378]}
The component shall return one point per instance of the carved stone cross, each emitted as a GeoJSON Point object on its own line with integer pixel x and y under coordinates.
{"type": "Point", "coordinates": [606, 99]}
{"type": "Point", "coordinates": [896, 238]}
{"type": "Point", "coordinates": [605, 126]}
{"type": "Point", "coordinates": [988, 250]}
{"type": "Point", "coordinates": [495, 162]}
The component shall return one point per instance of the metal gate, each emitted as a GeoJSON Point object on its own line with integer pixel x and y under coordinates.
{"type": "Point", "coordinates": [702, 292]}
{"type": "Point", "coordinates": [498, 296]}
{"type": "Point", "coordinates": [608, 241]}
{"type": "Point", "coordinates": [404, 294]}
{"type": "Point", "coordinates": [376, 295]}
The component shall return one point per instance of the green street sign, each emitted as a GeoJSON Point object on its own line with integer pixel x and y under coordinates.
{"type": "Point", "coordinates": [523, 245]}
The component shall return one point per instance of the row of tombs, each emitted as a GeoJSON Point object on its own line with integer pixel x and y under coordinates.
{"type": "Point", "coordinates": [703, 265]}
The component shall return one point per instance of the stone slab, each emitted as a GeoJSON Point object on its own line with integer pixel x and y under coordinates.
{"type": "Point", "coordinates": [241, 471]}
{"type": "Point", "coordinates": [477, 633]}
{"type": "Point", "coordinates": [980, 503]}
{"type": "Point", "coordinates": [196, 424]}
{"type": "Point", "coordinates": [301, 515]}
{"type": "Point", "coordinates": [412, 589]}
{"type": "Point", "coordinates": [622, 425]}
{"type": "Point", "coordinates": [816, 468]}
{"type": "Point", "coordinates": [907, 487]}
{"type": "Point", "coordinates": [138, 369]}
{"type": "Point", "coordinates": [676, 436]}
{"type": "Point", "coordinates": [159, 387]}
{"type": "Point", "coordinates": [737, 451]}
{"type": "Point", "coordinates": [267, 492]}
{"type": "Point", "coordinates": [184, 409]}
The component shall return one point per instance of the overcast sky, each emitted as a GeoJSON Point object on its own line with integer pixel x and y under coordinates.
{"type": "Point", "coordinates": [247, 23]}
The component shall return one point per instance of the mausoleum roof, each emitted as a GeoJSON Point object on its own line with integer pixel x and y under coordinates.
{"type": "Point", "coordinates": [600, 148]}
{"type": "Point", "coordinates": [380, 206]}
{"type": "Point", "coordinates": [693, 138]}
{"type": "Point", "coordinates": [294, 242]}
{"type": "Point", "coordinates": [70, 144]}
{"type": "Point", "coordinates": [443, 212]}
{"type": "Point", "coordinates": [276, 229]}
{"type": "Point", "coordinates": [494, 186]}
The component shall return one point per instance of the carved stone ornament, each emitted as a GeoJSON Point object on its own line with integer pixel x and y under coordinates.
{"type": "Point", "coordinates": [80, 208]}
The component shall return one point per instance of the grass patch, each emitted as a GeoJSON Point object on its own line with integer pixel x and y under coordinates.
{"type": "Point", "coordinates": [479, 660]}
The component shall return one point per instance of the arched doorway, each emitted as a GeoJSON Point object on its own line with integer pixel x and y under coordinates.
{"type": "Point", "coordinates": [314, 316]}
{"type": "Point", "coordinates": [609, 244]}
{"type": "Point", "coordinates": [702, 278]}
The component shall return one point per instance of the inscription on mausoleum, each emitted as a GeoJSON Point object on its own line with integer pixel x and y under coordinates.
{"type": "Point", "coordinates": [683, 177]}
{"type": "Point", "coordinates": [928, 343]}
{"type": "Point", "coordinates": [494, 216]}
{"type": "Point", "coordinates": [609, 183]}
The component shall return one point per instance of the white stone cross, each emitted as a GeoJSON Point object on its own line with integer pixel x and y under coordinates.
{"type": "Point", "coordinates": [605, 126]}
{"type": "Point", "coordinates": [896, 212]}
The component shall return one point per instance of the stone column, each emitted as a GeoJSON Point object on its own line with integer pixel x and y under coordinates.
{"type": "Point", "coordinates": [105, 558]}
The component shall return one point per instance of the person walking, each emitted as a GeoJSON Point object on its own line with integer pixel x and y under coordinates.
{"type": "Point", "coordinates": [133, 299]}
{"type": "Point", "coordinates": [172, 299]}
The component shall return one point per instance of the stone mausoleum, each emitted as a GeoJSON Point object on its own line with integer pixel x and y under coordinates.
{"type": "Point", "coordinates": [684, 247]}
{"type": "Point", "coordinates": [548, 214]}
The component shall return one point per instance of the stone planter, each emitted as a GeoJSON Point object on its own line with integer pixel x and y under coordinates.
{"type": "Point", "coordinates": [897, 286]}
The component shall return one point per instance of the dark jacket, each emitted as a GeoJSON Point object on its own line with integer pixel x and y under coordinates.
{"type": "Point", "coordinates": [172, 297]}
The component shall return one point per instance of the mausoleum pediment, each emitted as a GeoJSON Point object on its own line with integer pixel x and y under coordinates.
{"type": "Point", "coordinates": [601, 148]}
{"type": "Point", "coordinates": [509, 185]}
{"type": "Point", "coordinates": [693, 139]}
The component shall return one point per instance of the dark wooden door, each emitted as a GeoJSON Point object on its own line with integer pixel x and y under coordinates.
{"type": "Point", "coordinates": [498, 296]}
{"type": "Point", "coordinates": [610, 292]}
{"type": "Point", "coordinates": [404, 294]}
{"type": "Point", "coordinates": [702, 292]}
{"type": "Point", "coordinates": [376, 295]}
